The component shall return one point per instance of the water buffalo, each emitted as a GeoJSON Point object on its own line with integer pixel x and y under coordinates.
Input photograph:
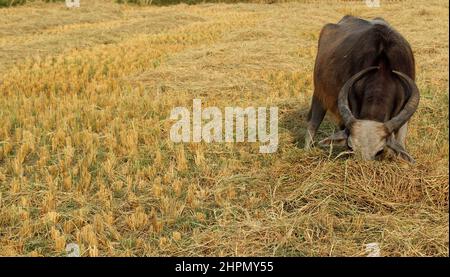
{"type": "Point", "coordinates": [364, 75]}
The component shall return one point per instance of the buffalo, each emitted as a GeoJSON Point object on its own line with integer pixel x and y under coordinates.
{"type": "Point", "coordinates": [364, 75]}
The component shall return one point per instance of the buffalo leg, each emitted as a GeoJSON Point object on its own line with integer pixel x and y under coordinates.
{"type": "Point", "coordinates": [315, 117]}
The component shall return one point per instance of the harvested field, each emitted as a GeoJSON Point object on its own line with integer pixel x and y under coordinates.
{"type": "Point", "coordinates": [85, 154]}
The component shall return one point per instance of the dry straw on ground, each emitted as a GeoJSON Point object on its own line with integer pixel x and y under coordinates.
{"type": "Point", "coordinates": [85, 155]}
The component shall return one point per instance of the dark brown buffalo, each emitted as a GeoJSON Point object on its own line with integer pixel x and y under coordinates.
{"type": "Point", "coordinates": [364, 75]}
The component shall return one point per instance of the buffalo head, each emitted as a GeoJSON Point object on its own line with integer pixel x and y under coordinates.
{"type": "Point", "coordinates": [368, 138]}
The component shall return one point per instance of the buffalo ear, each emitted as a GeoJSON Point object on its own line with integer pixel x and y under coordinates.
{"type": "Point", "coordinates": [393, 144]}
{"type": "Point", "coordinates": [338, 138]}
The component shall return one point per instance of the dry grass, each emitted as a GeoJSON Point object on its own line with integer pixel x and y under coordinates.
{"type": "Point", "coordinates": [85, 154]}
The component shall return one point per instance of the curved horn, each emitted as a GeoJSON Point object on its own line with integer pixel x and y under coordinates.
{"type": "Point", "coordinates": [410, 107]}
{"type": "Point", "coordinates": [344, 109]}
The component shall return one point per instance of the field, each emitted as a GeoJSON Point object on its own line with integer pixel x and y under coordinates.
{"type": "Point", "coordinates": [85, 154]}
